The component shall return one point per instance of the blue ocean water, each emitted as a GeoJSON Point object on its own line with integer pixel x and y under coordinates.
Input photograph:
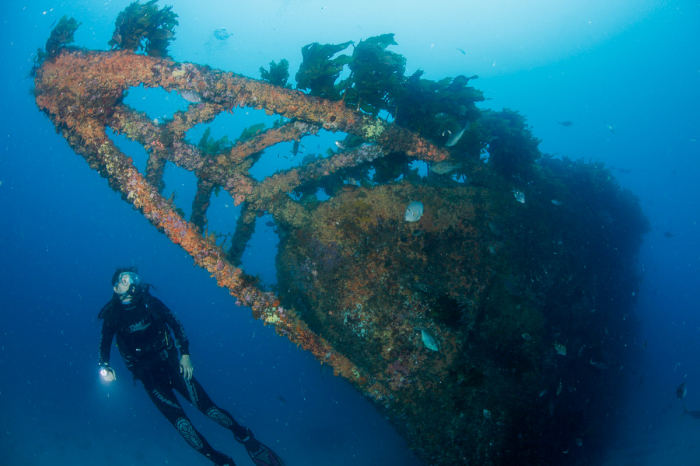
{"type": "Point", "coordinates": [626, 74]}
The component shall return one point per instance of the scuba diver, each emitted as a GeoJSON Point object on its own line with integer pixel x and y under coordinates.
{"type": "Point", "coordinates": [144, 329]}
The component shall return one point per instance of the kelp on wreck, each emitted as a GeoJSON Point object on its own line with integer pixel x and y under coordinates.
{"type": "Point", "coordinates": [489, 331]}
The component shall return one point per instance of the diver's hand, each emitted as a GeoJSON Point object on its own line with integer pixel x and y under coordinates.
{"type": "Point", "coordinates": [186, 368]}
{"type": "Point", "coordinates": [108, 374]}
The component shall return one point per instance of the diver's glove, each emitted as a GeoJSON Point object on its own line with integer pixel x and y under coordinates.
{"type": "Point", "coordinates": [107, 373]}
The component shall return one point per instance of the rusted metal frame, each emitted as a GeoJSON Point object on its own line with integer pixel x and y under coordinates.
{"type": "Point", "coordinates": [155, 170]}
{"type": "Point", "coordinates": [188, 156]}
{"type": "Point", "coordinates": [203, 112]}
{"type": "Point", "coordinates": [229, 89]}
{"type": "Point", "coordinates": [291, 131]}
{"type": "Point", "coordinates": [245, 227]}
{"type": "Point", "coordinates": [288, 180]}
{"type": "Point", "coordinates": [200, 203]}
{"type": "Point", "coordinates": [139, 127]}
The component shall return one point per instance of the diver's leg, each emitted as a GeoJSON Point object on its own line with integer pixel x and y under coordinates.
{"type": "Point", "coordinates": [258, 452]}
{"type": "Point", "coordinates": [194, 391]}
{"type": "Point", "coordinates": [163, 397]}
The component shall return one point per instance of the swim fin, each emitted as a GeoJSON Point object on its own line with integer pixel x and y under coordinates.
{"type": "Point", "coordinates": [261, 454]}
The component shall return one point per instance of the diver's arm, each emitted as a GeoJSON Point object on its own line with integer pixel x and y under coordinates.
{"type": "Point", "coordinates": [106, 372]}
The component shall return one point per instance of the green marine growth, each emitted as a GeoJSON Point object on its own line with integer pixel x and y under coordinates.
{"type": "Point", "coordinates": [61, 36]}
{"type": "Point", "coordinates": [277, 75]}
{"type": "Point", "coordinates": [438, 109]}
{"type": "Point", "coordinates": [512, 148]}
{"type": "Point", "coordinates": [376, 75]}
{"type": "Point", "coordinates": [318, 72]}
{"type": "Point", "coordinates": [212, 146]}
{"type": "Point", "coordinates": [144, 28]}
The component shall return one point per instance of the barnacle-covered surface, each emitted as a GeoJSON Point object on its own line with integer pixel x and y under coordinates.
{"type": "Point", "coordinates": [487, 330]}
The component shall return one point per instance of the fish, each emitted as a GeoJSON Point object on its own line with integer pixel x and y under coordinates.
{"type": "Point", "coordinates": [443, 168]}
{"type": "Point", "coordinates": [270, 223]}
{"type": "Point", "coordinates": [295, 148]}
{"type": "Point", "coordinates": [610, 128]}
{"type": "Point", "coordinates": [598, 365]}
{"type": "Point", "coordinates": [693, 414]}
{"type": "Point", "coordinates": [668, 234]}
{"type": "Point", "coordinates": [566, 123]}
{"type": "Point", "coordinates": [454, 138]}
{"type": "Point", "coordinates": [281, 398]}
{"type": "Point", "coordinates": [428, 341]}
{"type": "Point", "coordinates": [414, 211]}
{"type": "Point", "coordinates": [487, 414]}
{"type": "Point", "coordinates": [191, 96]}
{"type": "Point", "coordinates": [681, 391]}
{"type": "Point", "coordinates": [495, 229]}
{"type": "Point", "coordinates": [519, 196]}
{"type": "Point", "coordinates": [526, 337]}
{"type": "Point", "coordinates": [422, 287]}
{"type": "Point", "coordinates": [556, 202]}
{"type": "Point", "coordinates": [463, 52]}
{"type": "Point", "coordinates": [222, 34]}
{"type": "Point", "coordinates": [560, 349]}
{"type": "Point", "coordinates": [340, 145]}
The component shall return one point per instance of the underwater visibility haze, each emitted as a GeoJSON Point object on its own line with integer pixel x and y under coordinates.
{"type": "Point", "coordinates": [401, 233]}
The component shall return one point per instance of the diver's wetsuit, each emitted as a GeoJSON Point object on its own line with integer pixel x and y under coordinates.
{"type": "Point", "coordinates": [142, 328]}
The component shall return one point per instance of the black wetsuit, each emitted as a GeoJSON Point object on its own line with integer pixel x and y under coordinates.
{"type": "Point", "coordinates": [143, 333]}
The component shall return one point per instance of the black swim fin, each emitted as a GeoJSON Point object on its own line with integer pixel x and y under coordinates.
{"type": "Point", "coordinates": [261, 454]}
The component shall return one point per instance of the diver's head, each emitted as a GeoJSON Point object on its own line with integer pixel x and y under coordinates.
{"type": "Point", "coordinates": [126, 282]}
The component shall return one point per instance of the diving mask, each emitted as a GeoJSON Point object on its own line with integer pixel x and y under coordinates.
{"type": "Point", "coordinates": [127, 279]}
{"type": "Point", "coordinates": [126, 285]}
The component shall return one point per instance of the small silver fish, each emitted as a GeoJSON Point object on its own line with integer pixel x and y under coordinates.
{"type": "Point", "coordinates": [556, 202]}
{"type": "Point", "coordinates": [414, 211]}
{"type": "Point", "coordinates": [428, 341]}
{"type": "Point", "coordinates": [191, 96]}
{"type": "Point", "coordinates": [519, 196]}
{"type": "Point", "coordinates": [454, 138]}
{"type": "Point", "coordinates": [443, 168]}
{"type": "Point", "coordinates": [340, 145]}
